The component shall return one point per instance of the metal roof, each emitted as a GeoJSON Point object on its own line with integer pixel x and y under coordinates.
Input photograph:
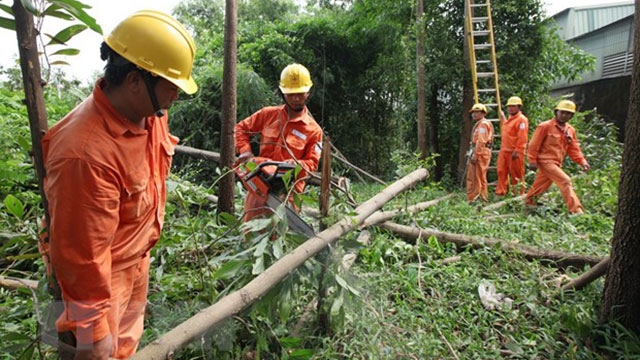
{"type": "Point", "coordinates": [576, 21]}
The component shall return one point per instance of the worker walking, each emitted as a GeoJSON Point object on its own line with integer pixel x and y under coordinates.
{"type": "Point", "coordinates": [287, 133]}
{"type": "Point", "coordinates": [480, 154]}
{"type": "Point", "coordinates": [514, 132]}
{"type": "Point", "coordinates": [551, 141]}
{"type": "Point", "coordinates": [106, 163]}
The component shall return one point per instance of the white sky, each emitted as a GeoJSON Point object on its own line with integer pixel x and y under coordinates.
{"type": "Point", "coordinates": [109, 12]}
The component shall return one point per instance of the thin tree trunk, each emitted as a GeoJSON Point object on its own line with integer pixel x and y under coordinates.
{"type": "Point", "coordinates": [34, 100]}
{"type": "Point", "coordinates": [229, 96]}
{"type": "Point", "coordinates": [467, 102]}
{"type": "Point", "coordinates": [420, 75]}
{"type": "Point", "coordinates": [382, 216]}
{"type": "Point", "coordinates": [561, 259]}
{"type": "Point", "coordinates": [621, 301]}
{"type": "Point", "coordinates": [239, 300]}
{"type": "Point", "coordinates": [325, 194]}
{"type": "Point", "coordinates": [434, 135]}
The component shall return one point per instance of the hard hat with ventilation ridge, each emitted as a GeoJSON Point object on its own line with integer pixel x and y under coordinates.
{"type": "Point", "coordinates": [514, 100]}
{"type": "Point", "coordinates": [157, 43]}
{"type": "Point", "coordinates": [295, 79]}
{"type": "Point", "coordinates": [478, 107]}
{"type": "Point", "coordinates": [566, 105]}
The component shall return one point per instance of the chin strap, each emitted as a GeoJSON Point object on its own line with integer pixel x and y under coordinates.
{"type": "Point", "coordinates": [149, 81]}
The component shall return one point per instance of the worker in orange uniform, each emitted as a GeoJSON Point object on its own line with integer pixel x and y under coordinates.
{"type": "Point", "coordinates": [480, 155]}
{"type": "Point", "coordinates": [551, 141]}
{"type": "Point", "coordinates": [514, 136]}
{"type": "Point", "coordinates": [106, 164]}
{"type": "Point", "coordinates": [287, 133]}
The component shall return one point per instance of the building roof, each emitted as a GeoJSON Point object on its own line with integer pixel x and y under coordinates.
{"type": "Point", "coordinates": [576, 21]}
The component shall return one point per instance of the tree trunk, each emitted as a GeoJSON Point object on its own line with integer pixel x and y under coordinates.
{"type": "Point", "coordinates": [561, 259]}
{"type": "Point", "coordinates": [467, 103]}
{"type": "Point", "coordinates": [420, 75]}
{"type": "Point", "coordinates": [621, 301]}
{"type": "Point", "coordinates": [239, 300]}
{"type": "Point", "coordinates": [34, 96]}
{"type": "Point", "coordinates": [434, 136]}
{"type": "Point", "coordinates": [229, 96]}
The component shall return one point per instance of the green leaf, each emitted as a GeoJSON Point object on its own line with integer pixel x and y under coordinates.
{"type": "Point", "coordinates": [75, 8]}
{"type": "Point", "coordinates": [301, 354]}
{"type": "Point", "coordinates": [7, 23]}
{"type": "Point", "coordinates": [229, 269]}
{"type": "Point", "coordinates": [337, 305]}
{"type": "Point", "coordinates": [64, 35]}
{"type": "Point", "coordinates": [7, 9]}
{"type": "Point", "coordinates": [342, 282]}
{"type": "Point", "coordinates": [261, 247]}
{"type": "Point", "coordinates": [54, 11]}
{"type": "Point", "coordinates": [14, 205]}
{"type": "Point", "coordinates": [258, 266]}
{"type": "Point", "coordinates": [60, 62]}
{"type": "Point", "coordinates": [68, 51]}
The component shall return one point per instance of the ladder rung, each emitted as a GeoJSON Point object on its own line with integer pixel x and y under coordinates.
{"type": "Point", "coordinates": [486, 90]}
{"type": "Point", "coordinates": [479, 19]}
{"type": "Point", "coordinates": [478, 5]}
{"type": "Point", "coordinates": [485, 74]}
{"type": "Point", "coordinates": [494, 120]}
{"type": "Point", "coordinates": [483, 62]}
{"type": "Point", "coordinates": [481, 32]}
{"type": "Point", "coordinates": [482, 46]}
{"type": "Point", "coordinates": [491, 105]}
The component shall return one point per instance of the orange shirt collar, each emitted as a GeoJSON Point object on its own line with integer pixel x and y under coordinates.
{"type": "Point", "coordinates": [304, 117]}
{"type": "Point", "coordinates": [120, 125]}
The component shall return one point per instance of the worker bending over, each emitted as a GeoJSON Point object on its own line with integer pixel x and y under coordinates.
{"type": "Point", "coordinates": [287, 133]}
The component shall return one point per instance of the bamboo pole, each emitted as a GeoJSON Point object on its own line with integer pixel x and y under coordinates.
{"type": "Point", "coordinates": [232, 304]}
{"type": "Point", "coordinates": [14, 283]}
{"type": "Point", "coordinates": [561, 259]}
{"type": "Point", "coordinates": [382, 216]}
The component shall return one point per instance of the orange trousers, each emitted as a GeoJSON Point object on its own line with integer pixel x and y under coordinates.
{"type": "Point", "coordinates": [513, 169]}
{"type": "Point", "coordinates": [477, 178]}
{"type": "Point", "coordinates": [126, 315]}
{"type": "Point", "coordinates": [551, 173]}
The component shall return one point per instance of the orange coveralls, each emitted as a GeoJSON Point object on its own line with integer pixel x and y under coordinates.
{"type": "Point", "coordinates": [477, 172]}
{"type": "Point", "coordinates": [514, 135]}
{"type": "Point", "coordinates": [106, 189]}
{"type": "Point", "coordinates": [548, 147]}
{"type": "Point", "coordinates": [281, 139]}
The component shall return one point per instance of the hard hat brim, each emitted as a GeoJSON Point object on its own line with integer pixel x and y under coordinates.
{"type": "Point", "coordinates": [298, 90]}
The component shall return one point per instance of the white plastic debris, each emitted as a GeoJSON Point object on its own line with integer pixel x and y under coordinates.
{"type": "Point", "coordinates": [492, 300]}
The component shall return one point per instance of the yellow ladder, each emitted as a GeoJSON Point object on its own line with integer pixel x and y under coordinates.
{"type": "Point", "coordinates": [484, 66]}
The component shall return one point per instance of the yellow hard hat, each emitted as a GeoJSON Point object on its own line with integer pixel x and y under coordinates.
{"type": "Point", "coordinates": [295, 79]}
{"type": "Point", "coordinates": [158, 43]}
{"type": "Point", "coordinates": [514, 100]}
{"type": "Point", "coordinates": [478, 107]}
{"type": "Point", "coordinates": [566, 105]}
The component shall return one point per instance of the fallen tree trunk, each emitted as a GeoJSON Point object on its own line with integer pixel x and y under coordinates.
{"type": "Point", "coordinates": [14, 283]}
{"type": "Point", "coordinates": [561, 259]}
{"type": "Point", "coordinates": [585, 279]}
{"type": "Point", "coordinates": [382, 216]}
{"type": "Point", "coordinates": [237, 301]}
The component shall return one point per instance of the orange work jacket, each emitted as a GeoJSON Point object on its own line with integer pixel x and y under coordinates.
{"type": "Point", "coordinates": [482, 137]}
{"type": "Point", "coordinates": [299, 138]}
{"type": "Point", "coordinates": [551, 142]}
{"type": "Point", "coordinates": [514, 133]}
{"type": "Point", "coordinates": [105, 183]}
